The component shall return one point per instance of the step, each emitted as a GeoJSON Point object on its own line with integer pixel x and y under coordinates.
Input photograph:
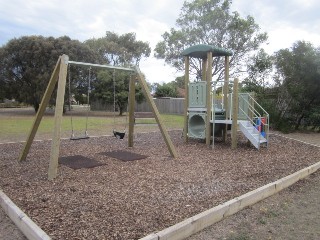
{"type": "Point", "coordinates": [253, 135]}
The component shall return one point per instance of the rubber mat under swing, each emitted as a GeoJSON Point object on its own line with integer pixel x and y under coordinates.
{"type": "Point", "coordinates": [124, 155]}
{"type": "Point", "coordinates": [78, 161]}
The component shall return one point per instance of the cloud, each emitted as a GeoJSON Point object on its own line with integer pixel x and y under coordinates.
{"type": "Point", "coordinates": [285, 36]}
{"type": "Point", "coordinates": [285, 21]}
{"type": "Point", "coordinates": [83, 20]}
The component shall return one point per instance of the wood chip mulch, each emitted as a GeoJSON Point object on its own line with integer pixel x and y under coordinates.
{"type": "Point", "coordinates": [124, 155]}
{"type": "Point", "coordinates": [131, 199]}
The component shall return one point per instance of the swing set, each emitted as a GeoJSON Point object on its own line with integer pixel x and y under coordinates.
{"type": "Point", "coordinates": [59, 77]}
{"type": "Point", "coordinates": [116, 133]}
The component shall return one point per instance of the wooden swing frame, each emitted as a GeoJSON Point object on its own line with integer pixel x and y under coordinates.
{"type": "Point", "coordinates": [59, 76]}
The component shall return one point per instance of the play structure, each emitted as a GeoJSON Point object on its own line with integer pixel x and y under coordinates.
{"type": "Point", "coordinates": [59, 76]}
{"type": "Point", "coordinates": [208, 114]}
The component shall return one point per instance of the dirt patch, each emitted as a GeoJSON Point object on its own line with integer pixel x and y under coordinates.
{"type": "Point", "coordinates": [128, 200]}
{"type": "Point", "coordinates": [309, 137]}
{"type": "Point", "coordinates": [291, 214]}
{"type": "Point", "coordinates": [9, 231]}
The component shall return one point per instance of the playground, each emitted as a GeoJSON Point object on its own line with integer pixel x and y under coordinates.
{"type": "Point", "coordinates": [131, 199]}
{"type": "Point", "coordinates": [126, 186]}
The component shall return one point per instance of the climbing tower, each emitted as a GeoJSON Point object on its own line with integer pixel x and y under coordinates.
{"type": "Point", "coordinates": [206, 118]}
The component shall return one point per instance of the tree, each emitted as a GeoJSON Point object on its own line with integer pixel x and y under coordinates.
{"type": "Point", "coordinates": [259, 71]}
{"type": "Point", "coordinates": [27, 64]}
{"type": "Point", "coordinates": [211, 22]}
{"type": "Point", "coordinates": [298, 83]}
{"type": "Point", "coordinates": [110, 92]}
{"type": "Point", "coordinates": [179, 82]}
{"type": "Point", "coordinates": [120, 50]}
{"type": "Point", "coordinates": [3, 91]}
{"type": "Point", "coordinates": [166, 90]}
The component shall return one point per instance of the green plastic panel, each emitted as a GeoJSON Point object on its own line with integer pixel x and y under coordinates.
{"type": "Point", "coordinates": [197, 94]}
{"type": "Point", "coordinates": [197, 125]}
{"type": "Point", "coordinates": [243, 104]}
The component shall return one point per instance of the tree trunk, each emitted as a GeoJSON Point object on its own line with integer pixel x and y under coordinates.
{"type": "Point", "coordinates": [36, 106]}
{"type": "Point", "coordinates": [299, 122]}
{"type": "Point", "coordinates": [120, 107]}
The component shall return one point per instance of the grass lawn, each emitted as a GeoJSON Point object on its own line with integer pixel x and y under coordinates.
{"type": "Point", "coordinates": [16, 127]}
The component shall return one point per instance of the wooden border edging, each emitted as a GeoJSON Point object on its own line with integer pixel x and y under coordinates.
{"type": "Point", "coordinates": [31, 230]}
{"type": "Point", "coordinates": [202, 220]}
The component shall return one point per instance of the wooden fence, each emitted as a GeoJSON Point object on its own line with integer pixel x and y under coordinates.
{"type": "Point", "coordinates": [164, 105]}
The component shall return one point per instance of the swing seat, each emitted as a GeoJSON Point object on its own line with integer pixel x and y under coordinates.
{"type": "Point", "coordinates": [119, 135]}
{"type": "Point", "coordinates": [85, 136]}
{"type": "Point", "coordinates": [79, 138]}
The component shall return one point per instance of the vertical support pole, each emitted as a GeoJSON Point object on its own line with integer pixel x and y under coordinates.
{"type": "Point", "coordinates": [209, 102]}
{"type": "Point", "coordinates": [55, 145]}
{"type": "Point", "coordinates": [69, 89]}
{"type": "Point", "coordinates": [235, 107]}
{"type": "Point", "coordinates": [132, 90]}
{"type": "Point", "coordinates": [204, 69]}
{"type": "Point", "coordinates": [225, 94]}
{"type": "Point", "coordinates": [186, 99]}
{"type": "Point", "coordinates": [155, 111]}
{"type": "Point", "coordinates": [213, 114]}
{"type": "Point", "coordinates": [44, 102]}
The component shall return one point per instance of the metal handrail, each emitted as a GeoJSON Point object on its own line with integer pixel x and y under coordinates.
{"type": "Point", "coordinates": [254, 108]}
{"type": "Point", "coordinates": [267, 118]}
{"type": "Point", "coordinates": [256, 114]}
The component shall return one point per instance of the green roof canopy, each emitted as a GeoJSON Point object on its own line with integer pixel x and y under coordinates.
{"type": "Point", "coordinates": [201, 50]}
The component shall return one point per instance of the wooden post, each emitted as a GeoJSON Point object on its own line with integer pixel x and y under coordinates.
{"type": "Point", "coordinates": [235, 107]}
{"type": "Point", "coordinates": [225, 94]}
{"type": "Point", "coordinates": [55, 145]}
{"type": "Point", "coordinates": [132, 90]}
{"type": "Point", "coordinates": [208, 102]}
{"type": "Point", "coordinates": [41, 110]}
{"type": "Point", "coordinates": [186, 99]}
{"type": "Point", "coordinates": [155, 111]}
{"type": "Point", "coordinates": [204, 69]}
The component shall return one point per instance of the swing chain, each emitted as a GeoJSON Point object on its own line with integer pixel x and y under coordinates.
{"type": "Point", "coordinates": [88, 102]}
{"type": "Point", "coordinates": [117, 134]}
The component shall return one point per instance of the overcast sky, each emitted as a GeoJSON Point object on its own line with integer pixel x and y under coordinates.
{"type": "Point", "coordinates": [285, 21]}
